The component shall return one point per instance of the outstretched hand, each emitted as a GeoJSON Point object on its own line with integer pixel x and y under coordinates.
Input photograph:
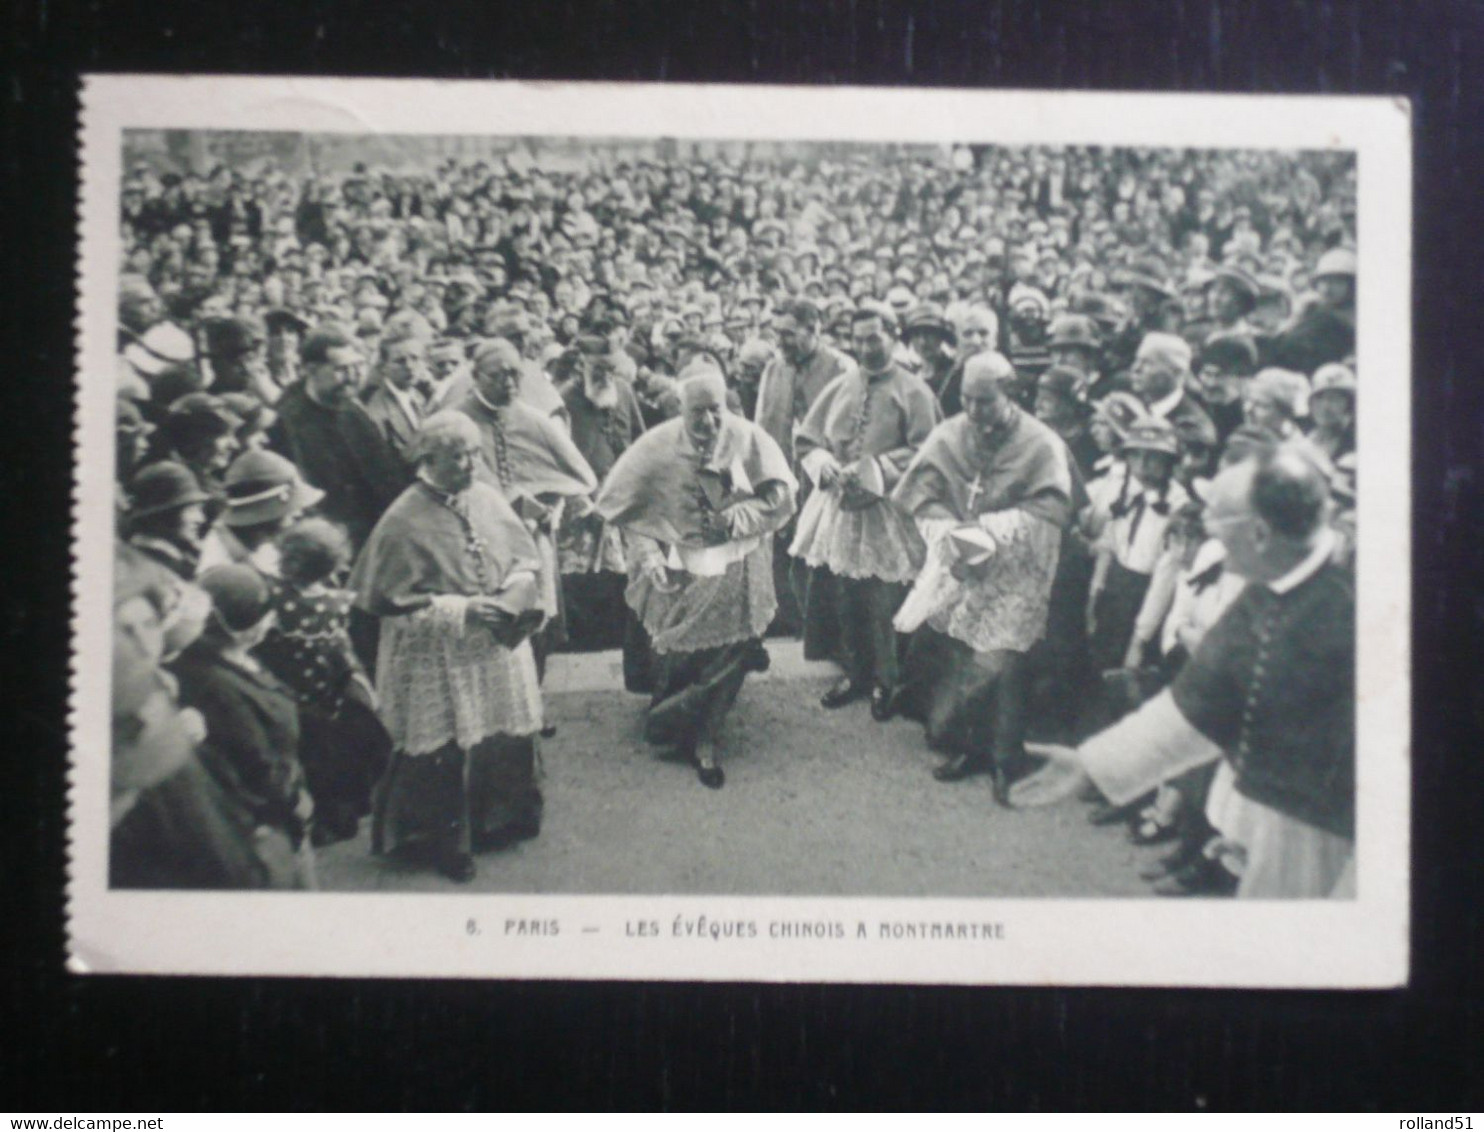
{"type": "Point", "coordinates": [1061, 778]}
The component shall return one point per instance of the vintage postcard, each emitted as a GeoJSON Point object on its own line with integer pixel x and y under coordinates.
{"type": "Point", "coordinates": [787, 534]}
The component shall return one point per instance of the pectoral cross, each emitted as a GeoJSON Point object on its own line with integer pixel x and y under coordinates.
{"type": "Point", "coordinates": [976, 489]}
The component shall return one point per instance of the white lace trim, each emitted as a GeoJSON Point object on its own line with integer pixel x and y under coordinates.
{"type": "Point", "coordinates": [877, 542]}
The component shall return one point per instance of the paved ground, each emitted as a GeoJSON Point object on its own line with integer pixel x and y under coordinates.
{"type": "Point", "coordinates": [816, 803]}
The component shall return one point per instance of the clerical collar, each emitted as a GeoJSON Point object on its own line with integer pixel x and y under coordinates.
{"type": "Point", "coordinates": [1166, 405]}
{"type": "Point", "coordinates": [1324, 548]}
{"type": "Point", "coordinates": [876, 374]}
{"type": "Point", "coordinates": [478, 396]}
{"type": "Point", "coordinates": [447, 498]}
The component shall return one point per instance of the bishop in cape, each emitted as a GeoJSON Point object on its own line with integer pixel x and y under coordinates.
{"type": "Point", "coordinates": [451, 571]}
{"type": "Point", "coordinates": [990, 490]}
{"type": "Point", "coordinates": [698, 499]}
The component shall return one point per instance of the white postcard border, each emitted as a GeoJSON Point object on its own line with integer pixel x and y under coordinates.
{"type": "Point", "coordinates": [1359, 943]}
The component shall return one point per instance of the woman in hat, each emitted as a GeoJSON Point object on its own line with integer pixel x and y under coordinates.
{"type": "Point", "coordinates": [1277, 399]}
{"type": "Point", "coordinates": [1325, 330]}
{"type": "Point", "coordinates": [264, 494]}
{"type": "Point", "coordinates": [172, 824]}
{"type": "Point", "coordinates": [167, 516]}
{"type": "Point", "coordinates": [1225, 363]}
{"type": "Point", "coordinates": [201, 433]}
{"type": "Point", "coordinates": [452, 572]}
{"type": "Point", "coordinates": [344, 747]}
{"type": "Point", "coordinates": [252, 721]}
{"type": "Point", "coordinates": [1332, 405]}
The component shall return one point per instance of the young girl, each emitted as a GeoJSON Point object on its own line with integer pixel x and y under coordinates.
{"type": "Point", "coordinates": [1112, 418]}
{"type": "Point", "coordinates": [344, 746]}
{"type": "Point", "coordinates": [1133, 539]}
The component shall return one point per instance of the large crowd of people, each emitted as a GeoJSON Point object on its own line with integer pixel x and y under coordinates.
{"type": "Point", "coordinates": [1039, 446]}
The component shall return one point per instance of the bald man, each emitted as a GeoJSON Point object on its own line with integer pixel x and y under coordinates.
{"type": "Point", "coordinates": [698, 499]}
{"type": "Point", "coordinates": [1270, 692]}
{"type": "Point", "coordinates": [990, 490]}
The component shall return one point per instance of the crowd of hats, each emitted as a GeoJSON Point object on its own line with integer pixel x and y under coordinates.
{"type": "Point", "coordinates": [704, 248]}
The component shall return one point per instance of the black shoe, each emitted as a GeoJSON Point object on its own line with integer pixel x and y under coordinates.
{"type": "Point", "coordinates": [844, 692]}
{"type": "Point", "coordinates": [1109, 814]}
{"type": "Point", "coordinates": [1001, 781]}
{"type": "Point", "coordinates": [712, 777]}
{"type": "Point", "coordinates": [883, 703]}
{"type": "Point", "coordinates": [521, 829]}
{"type": "Point", "coordinates": [458, 867]}
{"type": "Point", "coordinates": [1202, 877]}
{"type": "Point", "coordinates": [549, 731]}
{"type": "Point", "coordinates": [758, 658]}
{"type": "Point", "coordinates": [324, 834]}
{"type": "Point", "coordinates": [959, 768]}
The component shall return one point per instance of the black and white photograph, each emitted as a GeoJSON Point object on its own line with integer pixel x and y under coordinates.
{"type": "Point", "coordinates": [756, 540]}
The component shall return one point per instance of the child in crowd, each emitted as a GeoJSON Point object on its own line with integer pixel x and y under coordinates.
{"type": "Point", "coordinates": [344, 747]}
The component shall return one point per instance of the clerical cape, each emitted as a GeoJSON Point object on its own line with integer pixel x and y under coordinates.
{"type": "Point", "coordinates": [668, 498]}
{"type": "Point", "coordinates": [421, 549]}
{"type": "Point", "coordinates": [1018, 489]}
{"type": "Point", "coordinates": [527, 453]}
{"type": "Point", "coordinates": [875, 424]}
{"type": "Point", "coordinates": [440, 678]}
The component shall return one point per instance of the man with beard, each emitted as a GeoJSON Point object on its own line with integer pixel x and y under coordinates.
{"type": "Point", "coordinates": [530, 457]}
{"type": "Point", "coordinates": [606, 419]}
{"type": "Point", "coordinates": [991, 492]}
{"type": "Point", "coordinates": [325, 430]}
{"type": "Point", "coordinates": [698, 500]}
{"type": "Point", "coordinates": [855, 551]}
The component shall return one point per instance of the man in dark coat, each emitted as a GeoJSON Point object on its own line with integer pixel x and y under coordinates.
{"type": "Point", "coordinates": [325, 430]}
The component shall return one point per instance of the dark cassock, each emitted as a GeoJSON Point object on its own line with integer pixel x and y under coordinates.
{"type": "Point", "coordinates": [855, 551]}
{"type": "Point", "coordinates": [461, 701]}
{"type": "Point", "coordinates": [531, 458]}
{"type": "Point", "coordinates": [990, 491]}
{"type": "Point", "coordinates": [698, 500]}
{"type": "Point", "coordinates": [341, 451]}
{"type": "Point", "coordinates": [786, 392]}
{"type": "Point", "coordinates": [1271, 688]}
{"type": "Point", "coordinates": [606, 419]}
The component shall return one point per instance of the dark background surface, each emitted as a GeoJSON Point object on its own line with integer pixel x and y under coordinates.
{"type": "Point", "coordinates": [157, 1044]}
